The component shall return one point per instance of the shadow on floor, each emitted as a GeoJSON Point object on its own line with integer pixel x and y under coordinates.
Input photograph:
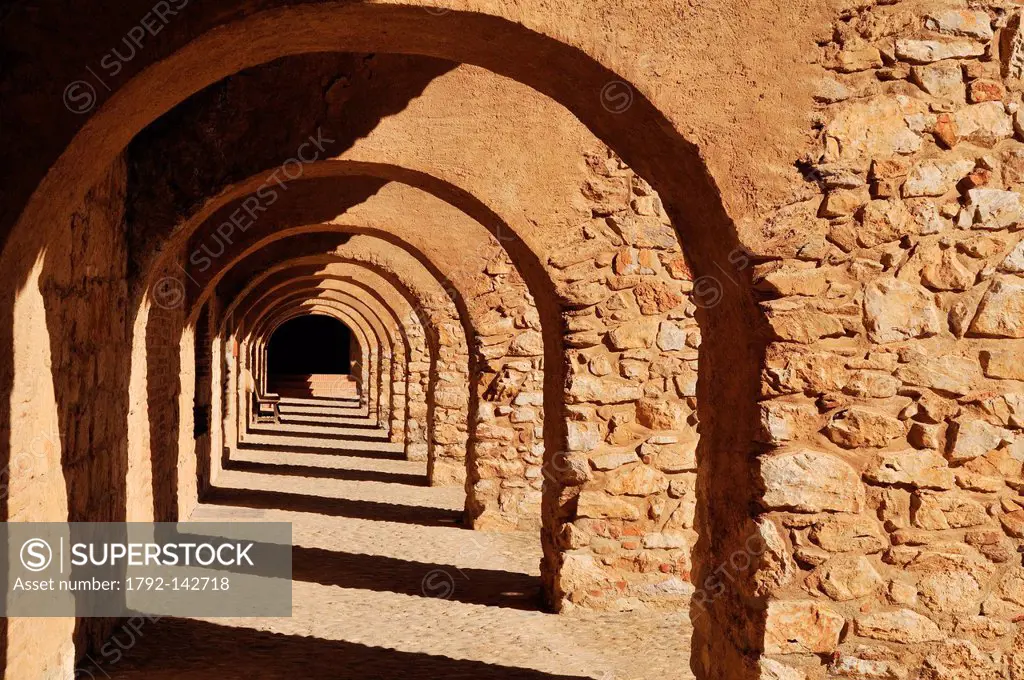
{"type": "Point", "coordinates": [323, 450]}
{"type": "Point", "coordinates": [325, 421]}
{"type": "Point", "coordinates": [345, 433]}
{"type": "Point", "coordinates": [326, 473]}
{"type": "Point", "coordinates": [443, 581]}
{"type": "Point", "coordinates": [171, 649]}
{"type": "Point", "coordinates": [334, 507]}
{"type": "Point", "coordinates": [379, 573]}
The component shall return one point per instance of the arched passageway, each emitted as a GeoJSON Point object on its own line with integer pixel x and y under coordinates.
{"type": "Point", "coordinates": [530, 335]}
{"type": "Point", "coordinates": [313, 355]}
{"type": "Point", "coordinates": [311, 344]}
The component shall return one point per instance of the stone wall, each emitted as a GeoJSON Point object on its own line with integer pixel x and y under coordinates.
{"type": "Point", "coordinates": [892, 392]}
{"type": "Point", "coordinates": [69, 402]}
{"type": "Point", "coordinates": [625, 518]}
{"type": "Point", "coordinates": [506, 455]}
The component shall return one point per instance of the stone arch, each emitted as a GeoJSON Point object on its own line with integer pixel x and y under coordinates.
{"type": "Point", "coordinates": [342, 307]}
{"type": "Point", "coordinates": [442, 451]}
{"type": "Point", "coordinates": [372, 347]}
{"type": "Point", "coordinates": [404, 338]}
{"type": "Point", "coordinates": [673, 167]}
{"type": "Point", "coordinates": [378, 331]}
{"type": "Point", "coordinates": [376, 327]}
{"type": "Point", "coordinates": [277, 278]}
{"type": "Point", "coordinates": [496, 495]}
{"type": "Point", "coordinates": [495, 477]}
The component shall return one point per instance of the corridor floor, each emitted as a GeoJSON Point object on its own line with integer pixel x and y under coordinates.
{"type": "Point", "coordinates": [387, 584]}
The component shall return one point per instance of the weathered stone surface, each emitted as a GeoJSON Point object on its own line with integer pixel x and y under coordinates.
{"type": "Point", "coordinates": [611, 458]}
{"type": "Point", "coordinates": [583, 436]}
{"type": "Point", "coordinates": [856, 427]}
{"type": "Point", "coordinates": [859, 57]}
{"type": "Point", "coordinates": [970, 438]}
{"type": "Point", "coordinates": [607, 390]}
{"type": "Point", "coordinates": [662, 414]}
{"type": "Point", "coordinates": [599, 505]}
{"type": "Point", "coordinates": [671, 337]}
{"type": "Point", "coordinates": [993, 208]}
{"type": "Point", "coordinates": [944, 79]}
{"type": "Point", "coordinates": [676, 457]}
{"type": "Point", "coordinates": [1013, 523]}
{"type": "Point", "coordinates": [842, 533]}
{"type": "Point", "coordinates": [947, 590]}
{"type": "Point", "coordinates": [945, 271]}
{"type": "Point", "coordinates": [635, 480]}
{"type": "Point", "coordinates": [774, 670]}
{"type": "Point", "coordinates": [895, 310]}
{"type": "Point", "coordinates": [1002, 364]}
{"type": "Point", "coordinates": [656, 298]}
{"type": "Point", "coordinates": [842, 202]}
{"type": "Point", "coordinates": [961, 660]}
{"type": "Point", "coordinates": [786, 281]}
{"type": "Point", "coordinates": [935, 178]}
{"type": "Point", "coordinates": [936, 512]}
{"type": "Point", "coordinates": [1014, 261]}
{"type": "Point", "coordinates": [637, 334]}
{"type": "Point", "coordinates": [854, 667]}
{"type": "Point", "coordinates": [797, 322]}
{"type": "Point", "coordinates": [529, 343]}
{"type": "Point", "coordinates": [874, 128]}
{"type": "Point", "coordinates": [973, 24]}
{"type": "Point", "coordinates": [884, 222]}
{"type": "Point", "coordinates": [776, 567]}
{"type": "Point", "coordinates": [786, 421]}
{"type": "Point", "coordinates": [950, 374]}
{"type": "Point", "coordinates": [666, 541]}
{"type": "Point", "coordinates": [983, 90]}
{"type": "Point", "coordinates": [927, 51]}
{"type": "Point", "coordinates": [918, 469]}
{"type": "Point", "coordinates": [903, 625]}
{"type": "Point", "coordinates": [1011, 47]}
{"type": "Point", "coordinates": [810, 481]}
{"type": "Point", "coordinates": [845, 578]}
{"type": "Point", "coordinates": [873, 384]}
{"type": "Point", "coordinates": [984, 124]}
{"type": "Point", "coordinates": [803, 627]}
{"type": "Point", "coordinates": [1001, 312]}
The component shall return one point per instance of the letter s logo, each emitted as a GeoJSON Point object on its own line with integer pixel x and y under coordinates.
{"type": "Point", "coordinates": [36, 555]}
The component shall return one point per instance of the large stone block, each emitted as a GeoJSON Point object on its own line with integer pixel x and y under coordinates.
{"type": "Point", "coordinates": [928, 51]}
{"type": "Point", "coordinates": [810, 481]}
{"type": "Point", "coordinates": [783, 421]}
{"type": "Point", "coordinates": [635, 480]}
{"type": "Point", "coordinates": [872, 128]}
{"type": "Point", "coordinates": [918, 469]}
{"type": "Point", "coordinates": [1001, 312]}
{"type": "Point", "coordinates": [802, 627]}
{"type": "Point", "coordinates": [597, 504]}
{"type": "Point", "coordinates": [846, 577]}
{"type": "Point", "coordinates": [903, 625]}
{"type": "Point", "coordinates": [843, 533]}
{"type": "Point", "coordinates": [662, 414]}
{"type": "Point", "coordinates": [971, 437]}
{"type": "Point", "coordinates": [860, 427]}
{"type": "Point", "coordinates": [951, 374]}
{"type": "Point", "coordinates": [961, 22]}
{"type": "Point", "coordinates": [639, 334]}
{"type": "Point", "coordinates": [895, 310]}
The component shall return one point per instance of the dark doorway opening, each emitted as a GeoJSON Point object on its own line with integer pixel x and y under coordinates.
{"type": "Point", "coordinates": [310, 345]}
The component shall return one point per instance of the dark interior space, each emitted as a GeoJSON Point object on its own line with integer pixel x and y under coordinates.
{"type": "Point", "coordinates": [310, 345]}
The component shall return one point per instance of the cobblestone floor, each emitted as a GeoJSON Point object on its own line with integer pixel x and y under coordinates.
{"type": "Point", "coordinates": [389, 585]}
